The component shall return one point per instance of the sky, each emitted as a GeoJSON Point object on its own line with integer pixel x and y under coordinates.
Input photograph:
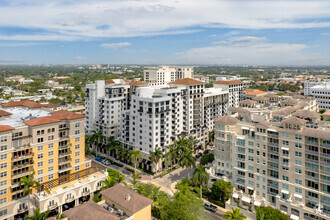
{"type": "Point", "coordinates": [192, 32]}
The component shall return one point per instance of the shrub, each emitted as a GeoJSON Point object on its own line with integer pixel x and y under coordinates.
{"type": "Point", "coordinates": [207, 158]}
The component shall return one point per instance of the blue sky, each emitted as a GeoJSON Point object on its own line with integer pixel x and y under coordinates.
{"type": "Point", "coordinates": [269, 32]}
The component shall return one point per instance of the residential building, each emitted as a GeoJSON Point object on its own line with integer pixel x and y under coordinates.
{"type": "Point", "coordinates": [165, 74]}
{"type": "Point", "coordinates": [148, 117]}
{"type": "Point", "coordinates": [129, 202]}
{"type": "Point", "coordinates": [235, 88]}
{"type": "Point", "coordinates": [50, 145]}
{"type": "Point", "coordinates": [321, 93]}
{"type": "Point", "coordinates": [202, 78]}
{"type": "Point", "coordinates": [252, 93]}
{"type": "Point", "coordinates": [276, 153]}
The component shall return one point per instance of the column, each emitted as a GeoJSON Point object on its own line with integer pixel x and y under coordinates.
{"type": "Point", "coordinates": [76, 202]}
{"type": "Point", "coordinates": [60, 209]}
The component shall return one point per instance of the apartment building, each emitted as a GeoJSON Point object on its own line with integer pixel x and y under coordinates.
{"type": "Point", "coordinates": [164, 74]}
{"type": "Point", "coordinates": [235, 88]}
{"type": "Point", "coordinates": [50, 146]}
{"type": "Point", "coordinates": [276, 155]}
{"type": "Point", "coordinates": [154, 116]}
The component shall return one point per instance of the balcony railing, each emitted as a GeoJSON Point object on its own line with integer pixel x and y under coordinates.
{"type": "Point", "coordinates": [64, 146]}
{"type": "Point", "coordinates": [273, 152]}
{"type": "Point", "coordinates": [314, 143]}
{"type": "Point", "coordinates": [312, 178]}
{"type": "Point", "coordinates": [23, 209]}
{"type": "Point", "coordinates": [326, 145]}
{"type": "Point", "coordinates": [272, 167]}
{"type": "Point", "coordinates": [19, 166]}
{"type": "Point", "coordinates": [325, 163]}
{"type": "Point", "coordinates": [325, 172]}
{"type": "Point", "coordinates": [85, 192]}
{"type": "Point", "coordinates": [325, 155]}
{"type": "Point", "coordinates": [312, 161]}
{"type": "Point", "coordinates": [63, 169]}
{"type": "Point", "coordinates": [21, 174]}
{"type": "Point", "coordinates": [273, 144]}
{"type": "Point", "coordinates": [21, 157]}
{"type": "Point", "coordinates": [273, 159]}
{"type": "Point", "coordinates": [314, 169]}
{"type": "Point", "coordinates": [52, 206]}
{"type": "Point", "coordinates": [325, 181]}
{"type": "Point", "coordinates": [312, 152]}
{"type": "Point", "coordinates": [69, 199]}
{"type": "Point", "coordinates": [272, 135]}
{"type": "Point", "coordinates": [60, 162]}
{"type": "Point", "coordinates": [64, 154]}
{"type": "Point", "coordinates": [312, 198]}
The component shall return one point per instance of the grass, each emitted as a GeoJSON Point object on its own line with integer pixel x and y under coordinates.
{"type": "Point", "coordinates": [129, 169]}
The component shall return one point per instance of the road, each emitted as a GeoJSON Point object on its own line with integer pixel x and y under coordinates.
{"type": "Point", "coordinates": [166, 183]}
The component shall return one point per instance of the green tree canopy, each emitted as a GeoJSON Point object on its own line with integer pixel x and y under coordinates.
{"type": "Point", "coordinates": [265, 213]}
{"type": "Point", "coordinates": [222, 190]}
{"type": "Point", "coordinates": [235, 214]}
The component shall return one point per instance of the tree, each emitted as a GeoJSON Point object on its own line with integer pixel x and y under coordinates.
{"type": "Point", "coordinates": [156, 156]}
{"type": "Point", "coordinates": [135, 182]}
{"type": "Point", "coordinates": [207, 158]}
{"type": "Point", "coordinates": [60, 216]}
{"type": "Point", "coordinates": [135, 157]}
{"type": "Point", "coordinates": [107, 183]}
{"type": "Point", "coordinates": [322, 111]}
{"type": "Point", "coordinates": [264, 213]}
{"type": "Point", "coordinates": [222, 190]}
{"type": "Point", "coordinates": [115, 176]}
{"type": "Point", "coordinates": [211, 136]}
{"type": "Point", "coordinates": [200, 177]}
{"type": "Point", "coordinates": [96, 198]}
{"type": "Point", "coordinates": [171, 155]}
{"type": "Point", "coordinates": [28, 183]}
{"type": "Point", "coordinates": [38, 215]}
{"type": "Point", "coordinates": [187, 160]}
{"type": "Point", "coordinates": [235, 214]}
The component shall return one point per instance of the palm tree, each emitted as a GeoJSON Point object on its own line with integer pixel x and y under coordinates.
{"type": "Point", "coordinates": [107, 183]}
{"type": "Point", "coordinates": [235, 214]}
{"type": "Point", "coordinates": [187, 160]}
{"type": "Point", "coordinates": [28, 183]}
{"type": "Point", "coordinates": [118, 178]}
{"type": "Point", "coordinates": [135, 157]}
{"type": "Point", "coordinates": [135, 181]}
{"type": "Point", "coordinates": [200, 177]}
{"type": "Point", "coordinates": [112, 144]}
{"type": "Point", "coordinates": [171, 155]}
{"type": "Point", "coordinates": [156, 156]}
{"type": "Point", "coordinates": [38, 215]}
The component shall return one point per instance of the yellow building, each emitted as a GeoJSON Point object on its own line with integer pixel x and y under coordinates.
{"type": "Point", "coordinates": [51, 147]}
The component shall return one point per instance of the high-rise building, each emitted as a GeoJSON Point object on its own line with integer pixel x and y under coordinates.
{"type": "Point", "coordinates": [235, 88]}
{"type": "Point", "coordinates": [276, 152]}
{"type": "Point", "coordinates": [320, 90]}
{"type": "Point", "coordinates": [165, 74]}
{"type": "Point", "coordinates": [154, 116]}
{"type": "Point", "coordinates": [51, 147]}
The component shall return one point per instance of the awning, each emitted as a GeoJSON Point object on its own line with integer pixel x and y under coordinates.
{"type": "Point", "coordinates": [235, 195]}
{"type": "Point", "coordinates": [241, 137]}
{"type": "Point", "coordinates": [298, 196]}
{"type": "Point", "coordinates": [294, 217]}
{"type": "Point", "coordinates": [271, 130]}
{"type": "Point", "coordinates": [246, 199]}
{"type": "Point", "coordinates": [249, 187]}
{"type": "Point", "coordinates": [257, 203]}
{"type": "Point", "coordinates": [245, 128]}
{"type": "Point", "coordinates": [251, 129]}
{"type": "Point", "coordinates": [284, 191]}
{"type": "Point", "coordinates": [284, 148]}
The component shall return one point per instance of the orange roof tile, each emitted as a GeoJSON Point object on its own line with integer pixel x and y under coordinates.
{"type": "Point", "coordinates": [228, 82]}
{"type": "Point", "coordinates": [326, 113]}
{"type": "Point", "coordinates": [137, 83]}
{"type": "Point", "coordinates": [256, 92]}
{"type": "Point", "coordinates": [56, 116]}
{"type": "Point", "coordinates": [41, 121]}
{"type": "Point", "coordinates": [5, 128]}
{"type": "Point", "coordinates": [4, 113]}
{"type": "Point", "coordinates": [109, 81]}
{"type": "Point", "coordinates": [26, 103]}
{"type": "Point", "coordinates": [187, 81]}
{"type": "Point", "coordinates": [126, 80]}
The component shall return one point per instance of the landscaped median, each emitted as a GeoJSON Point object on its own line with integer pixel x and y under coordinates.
{"type": "Point", "coordinates": [167, 171]}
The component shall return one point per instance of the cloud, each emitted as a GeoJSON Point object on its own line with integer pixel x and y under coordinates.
{"type": "Point", "coordinates": [59, 20]}
{"type": "Point", "coordinates": [19, 44]}
{"type": "Point", "coordinates": [253, 50]}
{"type": "Point", "coordinates": [325, 34]}
{"type": "Point", "coordinates": [79, 58]}
{"type": "Point", "coordinates": [115, 45]}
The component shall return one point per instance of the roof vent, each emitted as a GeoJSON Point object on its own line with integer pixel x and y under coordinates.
{"type": "Point", "coordinates": [128, 197]}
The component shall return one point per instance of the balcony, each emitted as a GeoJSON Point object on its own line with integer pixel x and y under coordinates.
{"type": "Point", "coordinates": [86, 192]}
{"type": "Point", "coordinates": [273, 152]}
{"type": "Point", "coordinates": [311, 198]}
{"type": "Point", "coordinates": [240, 159]}
{"type": "Point", "coordinates": [273, 144]}
{"type": "Point", "coordinates": [312, 152]}
{"type": "Point", "coordinates": [272, 167]}
{"type": "Point", "coordinates": [22, 209]}
{"type": "Point", "coordinates": [64, 146]}
{"type": "Point", "coordinates": [313, 143]}
{"type": "Point", "coordinates": [325, 181]}
{"type": "Point", "coordinates": [52, 206]}
{"type": "Point", "coordinates": [325, 145]}
{"type": "Point", "coordinates": [22, 147]}
{"type": "Point", "coordinates": [272, 135]}
{"type": "Point", "coordinates": [21, 174]}
{"type": "Point", "coordinates": [313, 169]}
{"type": "Point", "coordinates": [324, 201]}
{"type": "Point", "coordinates": [65, 168]}
{"type": "Point", "coordinates": [326, 172]}
{"type": "Point", "coordinates": [325, 163]}
{"type": "Point", "coordinates": [312, 161]}
{"type": "Point", "coordinates": [272, 185]}
{"type": "Point", "coordinates": [61, 162]}
{"type": "Point", "coordinates": [21, 157]}
{"type": "Point", "coordinates": [19, 166]}
{"type": "Point", "coordinates": [312, 178]}
{"type": "Point", "coordinates": [64, 154]}
{"type": "Point", "coordinates": [69, 199]}
{"type": "Point", "coordinates": [272, 159]}
{"type": "Point", "coordinates": [325, 155]}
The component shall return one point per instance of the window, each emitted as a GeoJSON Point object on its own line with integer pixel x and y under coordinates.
{"type": "Point", "coordinates": [40, 180]}
{"type": "Point", "coordinates": [76, 146]}
{"type": "Point", "coordinates": [76, 161]}
{"type": "Point", "coordinates": [87, 164]}
{"type": "Point", "coordinates": [3, 157]}
{"type": "Point", "coordinates": [40, 156]}
{"type": "Point", "coordinates": [298, 162]}
{"type": "Point", "coordinates": [298, 154]}
{"type": "Point", "coordinates": [51, 153]}
{"type": "Point", "coordinates": [3, 139]}
{"type": "Point", "coordinates": [76, 168]}
{"type": "Point", "coordinates": [50, 161]}
{"type": "Point", "coordinates": [40, 172]}
{"type": "Point", "coordinates": [298, 181]}
{"type": "Point", "coordinates": [51, 176]}
{"type": "Point", "coordinates": [3, 148]}
{"type": "Point", "coordinates": [2, 201]}
{"type": "Point", "coordinates": [3, 192]}
{"type": "Point", "coordinates": [40, 140]}
{"type": "Point", "coordinates": [298, 137]}
{"type": "Point", "coordinates": [285, 186]}
{"type": "Point", "coordinates": [298, 145]}
{"type": "Point", "coordinates": [3, 174]}
{"type": "Point", "coordinates": [297, 170]}
{"type": "Point", "coordinates": [77, 132]}
{"type": "Point", "coordinates": [50, 146]}
{"type": "Point", "coordinates": [3, 212]}
{"type": "Point", "coordinates": [284, 134]}
{"type": "Point", "coordinates": [77, 139]}
{"type": "Point", "coordinates": [286, 178]}
{"type": "Point", "coordinates": [40, 164]}
{"type": "Point", "coordinates": [3, 183]}
{"type": "Point", "coordinates": [298, 190]}
{"type": "Point", "coordinates": [77, 154]}
{"type": "Point", "coordinates": [77, 125]}
{"type": "Point", "coordinates": [50, 169]}
{"type": "Point", "coordinates": [285, 142]}
{"type": "Point", "coordinates": [3, 165]}
{"type": "Point", "coordinates": [251, 168]}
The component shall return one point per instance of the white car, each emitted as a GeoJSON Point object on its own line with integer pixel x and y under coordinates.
{"type": "Point", "coordinates": [107, 162]}
{"type": "Point", "coordinates": [212, 148]}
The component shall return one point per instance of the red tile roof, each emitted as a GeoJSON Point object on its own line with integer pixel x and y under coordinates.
{"type": "Point", "coordinates": [256, 92]}
{"type": "Point", "coordinates": [56, 116]}
{"type": "Point", "coordinates": [109, 81]}
{"type": "Point", "coordinates": [26, 103]}
{"type": "Point", "coordinates": [187, 81]}
{"type": "Point", "coordinates": [137, 83]}
{"type": "Point", "coordinates": [4, 113]}
{"type": "Point", "coordinates": [51, 105]}
{"type": "Point", "coordinates": [5, 128]}
{"type": "Point", "coordinates": [228, 82]}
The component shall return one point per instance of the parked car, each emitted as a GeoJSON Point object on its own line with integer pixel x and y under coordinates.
{"type": "Point", "coordinates": [198, 155]}
{"type": "Point", "coordinates": [206, 151]}
{"type": "Point", "coordinates": [213, 180]}
{"type": "Point", "coordinates": [98, 159]}
{"type": "Point", "coordinates": [219, 174]}
{"type": "Point", "coordinates": [210, 207]}
{"type": "Point", "coordinates": [107, 162]}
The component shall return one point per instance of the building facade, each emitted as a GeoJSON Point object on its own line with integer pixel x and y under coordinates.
{"type": "Point", "coordinates": [235, 88]}
{"type": "Point", "coordinates": [276, 156]}
{"type": "Point", "coordinates": [51, 147]}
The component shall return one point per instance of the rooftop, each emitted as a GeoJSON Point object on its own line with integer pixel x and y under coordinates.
{"type": "Point", "coordinates": [19, 115]}
{"type": "Point", "coordinates": [25, 103]}
{"type": "Point", "coordinates": [137, 83]}
{"type": "Point", "coordinates": [119, 194]}
{"type": "Point", "coordinates": [254, 92]}
{"type": "Point", "coordinates": [187, 81]}
{"type": "Point", "coordinates": [228, 82]}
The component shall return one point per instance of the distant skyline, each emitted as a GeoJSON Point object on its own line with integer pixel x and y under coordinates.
{"type": "Point", "coordinates": [235, 32]}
